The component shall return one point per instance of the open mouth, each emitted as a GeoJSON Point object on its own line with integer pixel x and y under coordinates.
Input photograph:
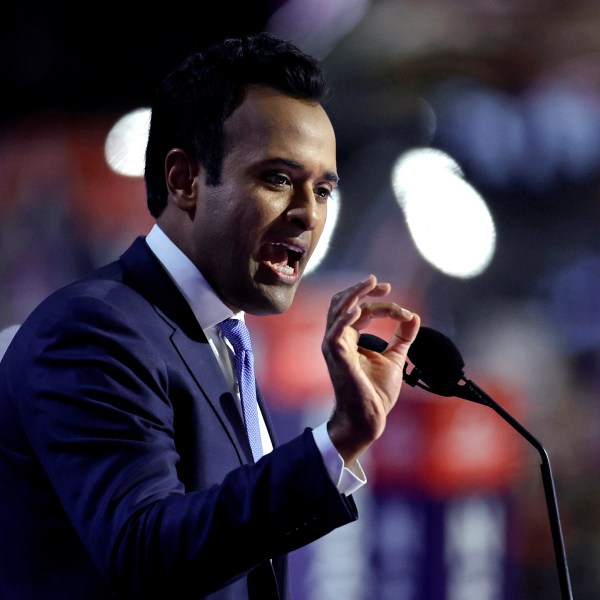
{"type": "Point", "coordinates": [282, 258]}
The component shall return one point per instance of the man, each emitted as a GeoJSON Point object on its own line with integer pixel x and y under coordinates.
{"type": "Point", "coordinates": [125, 467]}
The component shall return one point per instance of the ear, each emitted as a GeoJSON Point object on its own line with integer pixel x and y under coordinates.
{"type": "Point", "coordinates": [182, 172]}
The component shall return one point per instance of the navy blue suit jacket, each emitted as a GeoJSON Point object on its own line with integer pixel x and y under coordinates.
{"type": "Point", "coordinates": [125, 470]}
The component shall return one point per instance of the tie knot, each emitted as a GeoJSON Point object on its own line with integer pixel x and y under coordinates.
{"type": "Point", "coordinates": [237, 333]}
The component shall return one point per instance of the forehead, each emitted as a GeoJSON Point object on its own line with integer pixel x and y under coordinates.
{"type": "Point", "coordinates": [271, 123]}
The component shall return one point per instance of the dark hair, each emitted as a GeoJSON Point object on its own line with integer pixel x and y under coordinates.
{"type": "Point", "coordinates": [193, 102]}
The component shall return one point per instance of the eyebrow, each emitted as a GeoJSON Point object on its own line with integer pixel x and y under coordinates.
{"type": "Point", "coordinates": [329, 175]}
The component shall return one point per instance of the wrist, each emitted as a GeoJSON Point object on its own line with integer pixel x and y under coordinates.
{"type": "Point", "coordinates": [346, 440]}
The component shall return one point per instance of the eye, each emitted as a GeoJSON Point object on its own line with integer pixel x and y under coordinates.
{"type": "Point", "coordinates": [276, 179]}
{"type": "Point", "coordinates": [323, 192]}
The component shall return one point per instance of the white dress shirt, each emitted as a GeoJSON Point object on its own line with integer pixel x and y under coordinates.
{"type": "Point", "coordinates": [210, 311]}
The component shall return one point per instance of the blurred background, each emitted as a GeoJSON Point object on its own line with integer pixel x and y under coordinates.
{"type": "Point", "coordinates": [469, 154]}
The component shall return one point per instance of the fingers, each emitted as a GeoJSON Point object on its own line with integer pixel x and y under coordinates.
{"type": "Point", "coordinates": [381, 310]}
{"type": "Point", "coordinates": [405, 333]}
{"type": "Point", "coordinates": [349, 309]}
{"type": "Point", "coordinates": [348, 305]}
{"type": "Point", "coordinates": [347, 301]}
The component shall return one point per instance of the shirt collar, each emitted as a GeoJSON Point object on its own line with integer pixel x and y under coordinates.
{"type": "Point", "coordinates": [206, 305]}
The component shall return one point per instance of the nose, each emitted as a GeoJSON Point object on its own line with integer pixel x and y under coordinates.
{"type": "Point", "coordinates": [304, 210]}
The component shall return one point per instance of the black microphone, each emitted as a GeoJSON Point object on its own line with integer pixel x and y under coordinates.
{"type": "Point", "coordinates": [372, 342]}
{"type": "Point", "coordinates": [438, 367]}
{"type": "Point", "coordinates": [437, 363]}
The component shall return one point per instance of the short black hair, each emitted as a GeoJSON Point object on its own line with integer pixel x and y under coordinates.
{"type": "Point", "coordinates": [193, 102]}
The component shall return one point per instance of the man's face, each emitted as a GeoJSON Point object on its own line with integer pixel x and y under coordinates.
{"type": "Point", "coordinates": [253, 233]}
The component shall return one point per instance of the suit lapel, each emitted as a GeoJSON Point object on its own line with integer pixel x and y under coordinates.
{"type": "Point", "coordinates": [202, 364]}
{"type": "Point", "coordinates": [144, 272]}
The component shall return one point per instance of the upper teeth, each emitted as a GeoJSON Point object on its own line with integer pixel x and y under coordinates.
{"type": "Point", "coordinates": [290, 247]}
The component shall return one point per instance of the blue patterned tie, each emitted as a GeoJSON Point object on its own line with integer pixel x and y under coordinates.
{"type": "Point", "coordinates": [239, 337]}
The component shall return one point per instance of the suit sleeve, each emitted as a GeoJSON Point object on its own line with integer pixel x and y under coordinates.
{"type": "Point", "coordinates": [98, 412]}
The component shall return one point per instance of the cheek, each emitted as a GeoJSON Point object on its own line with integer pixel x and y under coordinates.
{"type": "Point", "coordinates": [247, 227]}
{"type": "Point", "coordinates": [260, 213]}
{"type": "Point", "coordinates": [321, 224]}
{"type": "Point", "coordinates": [238, 222]}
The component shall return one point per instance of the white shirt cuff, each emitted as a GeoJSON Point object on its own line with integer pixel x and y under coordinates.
{"type": "Point", "coordinates": [346, 479]}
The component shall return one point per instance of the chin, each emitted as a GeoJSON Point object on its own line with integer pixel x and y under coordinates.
{"type": "Point", "coordinates": [268, 301]}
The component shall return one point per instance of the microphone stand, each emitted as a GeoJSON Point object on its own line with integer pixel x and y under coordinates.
{"type": "Point", "coordinates": [471, 391]}
{"type": "Point", "coordinates": [442, 380]}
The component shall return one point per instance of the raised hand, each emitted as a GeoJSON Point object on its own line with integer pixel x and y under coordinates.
{"type": "Point", "coordinates": [366, 383]}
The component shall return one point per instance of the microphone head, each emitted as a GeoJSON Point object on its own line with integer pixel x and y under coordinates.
{"type": "Point", "coordinates": [372, 342]}
{"type": "Point", "coordinates": [438, 360]}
